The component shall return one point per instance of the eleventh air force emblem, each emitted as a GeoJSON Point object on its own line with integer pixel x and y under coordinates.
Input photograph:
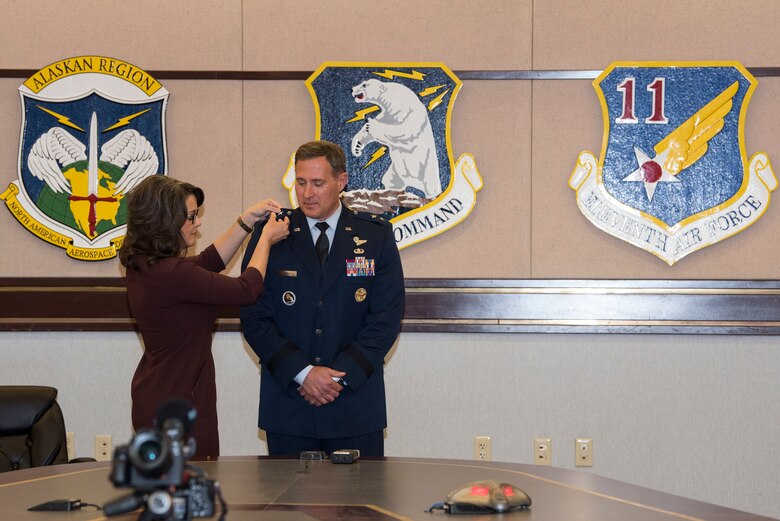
{"type": "Point", "coordinates": [673, 175]}
{"type": "Point", "coordinates": [92, 129]}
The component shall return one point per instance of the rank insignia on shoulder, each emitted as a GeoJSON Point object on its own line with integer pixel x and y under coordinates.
{"type": "Point", "coordinates": [283, 213]}
{"type": "Point", "coordinates": [360, 267]}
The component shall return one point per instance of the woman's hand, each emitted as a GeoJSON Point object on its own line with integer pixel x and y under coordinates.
{"type": "Point", "coordinates": [275, 231]}
{"type": "Point", "coordinates": [260, 211]}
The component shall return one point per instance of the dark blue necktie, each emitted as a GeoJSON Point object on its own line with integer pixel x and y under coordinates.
{"type": "Point", "coordinates": [323, 244]}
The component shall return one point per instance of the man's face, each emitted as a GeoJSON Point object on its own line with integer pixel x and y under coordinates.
{"type": "Point", "coordinates": [317, 188]}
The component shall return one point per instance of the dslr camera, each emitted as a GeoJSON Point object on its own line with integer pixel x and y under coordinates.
{"type": "Point", "coordinates": [154, 464]}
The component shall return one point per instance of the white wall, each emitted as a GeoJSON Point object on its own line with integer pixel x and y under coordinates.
{"type": "Point", "coordinates": [696, 416]}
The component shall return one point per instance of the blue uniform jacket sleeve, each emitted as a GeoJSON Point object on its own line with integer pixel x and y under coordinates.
{"type": "Point", "coordinates": [278, 354]}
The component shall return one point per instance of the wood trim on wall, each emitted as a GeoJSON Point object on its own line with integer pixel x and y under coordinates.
{"type": "Point", "coordinates": [733, 307]}
{"type": "Point", "coordinates": [573, 74]}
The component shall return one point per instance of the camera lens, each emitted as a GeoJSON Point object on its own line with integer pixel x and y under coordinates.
{"type": "Point", "coordinates": [149, 453]}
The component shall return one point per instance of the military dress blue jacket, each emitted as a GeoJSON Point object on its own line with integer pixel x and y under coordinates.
{"type": "Point", "coordinates": [346, 316]}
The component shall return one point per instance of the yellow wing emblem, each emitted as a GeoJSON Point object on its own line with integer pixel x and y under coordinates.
{"type": "Point", "coordinates": [688, 142]}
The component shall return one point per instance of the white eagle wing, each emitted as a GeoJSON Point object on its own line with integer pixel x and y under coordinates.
{"type": "Point", "coordinates": [54, 149]}
{"type": "Point", "coordinates": [130, 149]}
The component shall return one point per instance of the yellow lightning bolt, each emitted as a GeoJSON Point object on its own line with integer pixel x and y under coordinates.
{"type": "Point", "coordinates": [430, 90]}
{"type": "Point", "coordinates": [121, 122]}
{"type": "Point", "coordinates": [360, 114]}
{"type": "Point", "coordinates": [65, 120]}
{"type": "Point", "coordinates": [376, 155]}
{"type": "Point", "coordinates": [414, 75]}
{"type": "Point", "coordinates": [435, 102]}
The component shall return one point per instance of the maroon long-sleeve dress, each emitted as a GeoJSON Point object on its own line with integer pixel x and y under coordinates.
{"type": "Point", "coordinates": [174, 303]}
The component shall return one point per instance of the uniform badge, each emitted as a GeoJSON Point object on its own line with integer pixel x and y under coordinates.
{"type": "Point", "coordinates": [673, 175]}
{"type": "Point", "coordinates": [92, 129]}
{"type": "Point", "coordinates": [288, 298]}
{"type": "Point", "coordinates": [359, 242]}
{"type": "Point", "coordinates": [393, 122]}
{"type": "Point", "coordinates": [360, 267]}
{"type": "Point", "coordinates": [360, 295]}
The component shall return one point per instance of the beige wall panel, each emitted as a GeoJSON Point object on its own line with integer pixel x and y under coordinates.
{"type": "Point", "coordinates": [204, 147]}
{"type": "Point", "coordinates": [762, 125]}
{"type": "Point", "coordinates": [463, 34]}
{"type": "Point", "coordinates": [571, 35]}
{"type": "Point", "coordinates": [567, 120]}
{"type": "Point", "coordinates": [153, 35]}
{"type": "Point", "coordinates": [491, 120]}
{"type": "Point", "coordinates": [278, 117]}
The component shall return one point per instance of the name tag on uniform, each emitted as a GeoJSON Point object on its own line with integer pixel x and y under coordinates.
{"type": "Point", "coordinates": [360, 267]}
{"type": "Point", "coordinates": [287, 273]}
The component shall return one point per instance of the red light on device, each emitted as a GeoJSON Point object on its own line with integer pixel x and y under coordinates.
{"type": "Point", "coordinates": [508, 490]}
{"type": "Point", "coordinates": [480, 490]}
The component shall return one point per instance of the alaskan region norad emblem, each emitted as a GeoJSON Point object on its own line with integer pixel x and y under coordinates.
{"type": "Point", "coordinates": [92, 129]}
{"type": "Point", "coordinates": [393, 122]}
{"type": "Point", "coordinates": [673, 175]}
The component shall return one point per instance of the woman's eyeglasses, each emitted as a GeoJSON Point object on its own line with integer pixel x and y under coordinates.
{"type": "Point", "coordinates": [192, 215]}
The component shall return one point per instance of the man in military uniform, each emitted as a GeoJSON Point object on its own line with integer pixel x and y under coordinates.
{"type": "Point", "coordinates": [330, 312]}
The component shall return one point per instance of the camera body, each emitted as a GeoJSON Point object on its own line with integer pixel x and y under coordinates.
{"type": "Point", "coordinates": [154, 464]}
{"type": "Point", "coordinates": [153, 459]}
{"type": "Point", "coordinates": [183, 504]}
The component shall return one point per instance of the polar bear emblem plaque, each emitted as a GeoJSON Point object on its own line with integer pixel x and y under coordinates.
{"type": "Point", "coordinates": [393, 122]}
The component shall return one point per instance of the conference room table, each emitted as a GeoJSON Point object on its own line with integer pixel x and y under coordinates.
{"type": "Point", "coordinates": [264, 488]}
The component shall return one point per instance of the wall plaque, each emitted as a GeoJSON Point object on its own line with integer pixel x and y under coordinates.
{"type": "Point", "coordinates": [673, 176]}
{"type": "Point", "coordinates": [393, 121]}
{"type": "Point", "coordinates": [92, 128]}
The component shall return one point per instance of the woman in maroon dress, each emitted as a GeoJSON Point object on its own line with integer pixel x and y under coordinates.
{"type": "Point", "coordinates": [174, 299]}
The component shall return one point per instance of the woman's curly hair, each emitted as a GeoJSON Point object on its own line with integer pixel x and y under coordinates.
{"type": "Point", "coordinates": [156, 211]}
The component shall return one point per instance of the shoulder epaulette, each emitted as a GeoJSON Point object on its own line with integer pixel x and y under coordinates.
{"type": "Point", "coordinates": [371, 217]}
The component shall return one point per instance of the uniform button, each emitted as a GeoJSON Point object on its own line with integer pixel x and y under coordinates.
{"type": "Point", "coordinates": [318, 331]}
{"type": "Point", "coordinates": [317, 360]}
{"type": "Point", "coordinates": [320, 303]}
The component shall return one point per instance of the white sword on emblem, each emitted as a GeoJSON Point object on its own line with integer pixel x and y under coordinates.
{"type": "Point", "coordinates": [92, 170]}
{"type": "Point", "coordinates": [92, 178]}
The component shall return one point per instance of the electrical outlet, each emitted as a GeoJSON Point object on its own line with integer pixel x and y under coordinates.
{"type": "Point", "coordinates": [70, 444]}
{"type": "Point", "coordinates": [583, 452]}
{"type": "Point", "coordinates": [482, 448]}
{"type": "Point", "coordinates": [542, 451]}
{"type": "Point", "coordinates": [103, 447]}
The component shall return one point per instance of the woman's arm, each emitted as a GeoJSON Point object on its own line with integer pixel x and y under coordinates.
{"type": "Point", "coordinates": [273, 232]}
{"type": "Point", "coordinates": [228, 243]}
